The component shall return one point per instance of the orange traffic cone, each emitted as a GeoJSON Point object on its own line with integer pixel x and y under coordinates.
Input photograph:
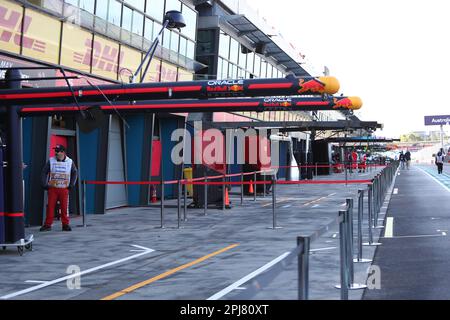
{"type": "Point", "coordinates": [250, 187]}
{"type": "Point", "coordinates": [227, 199]}
{"type": "Point", "coordinates": [153, 195]}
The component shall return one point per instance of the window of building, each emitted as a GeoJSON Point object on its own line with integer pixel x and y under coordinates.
{"type": "Point", "coordinates": [257, 67]}
{"type": "Point", "coordinates": [263, 72]}
{"type": "Point", "coordinates": [242, 57]}
{"type": "Point", "coordinates": [183, 46]}
{"type": "Point", "coordinates": [87, 5]}
{"type": "Point", "coordinates": [190, 52]}
{"type": "Point", "coordinates": [219, 68]}
{"type": "Point", "coordinates": [224, 69]}
{"type": "Point", "coordinates": [166, 38]}
{"type": "Point", "coordinates": [101, 9]}
{"type": "Point", "coordinates": [190, 17]}
{"type": "Point", "coordinates": [127, 18]}
{"type": "Point", "coordinates": [234, 51]}
{"type": "Point", "coordinates": [72, 2]}
{"type": "Point", "coordinates": [114, 12]}
{"type": "Point", "coordinates": [250, 59]}
{"type": "Point", "coordinates": [148, 31]}
{"type": "Point", "coordinates": [136, 4]}
{"type": "Point", "coordinates": [173, 5]}
{"type": "Point", "coordinates": [174, 40]}
{"type": "Point", "coordinates": [155, 9]}
{"type": "Point", "coordinates": [138, 23]}
{"type": "Point", "coordinates": [156, 28]}
{"type": "Point", "coordinates": [224, 45]}
{"type": "Point", "coordinates": [205, 42]}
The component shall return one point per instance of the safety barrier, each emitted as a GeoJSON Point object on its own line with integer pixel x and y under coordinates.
{"type": "Point", "coordinates": [346, 246]}
{"type": "Point", "coordinates": [208, 180]}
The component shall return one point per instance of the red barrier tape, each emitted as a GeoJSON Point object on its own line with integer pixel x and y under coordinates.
{"type": "Point", "coordinates": [123, 182]}
{"type": "Point", "coordinates": [324, 182]}
{"type": "Point", "coordinates": [330, 166]}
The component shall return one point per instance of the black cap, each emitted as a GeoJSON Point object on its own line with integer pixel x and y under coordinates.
{"type": "Point", "coordinates": [59, 147]}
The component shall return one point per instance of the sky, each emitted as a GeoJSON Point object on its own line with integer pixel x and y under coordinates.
{"type": "Point", "coordinates": [394, 54]}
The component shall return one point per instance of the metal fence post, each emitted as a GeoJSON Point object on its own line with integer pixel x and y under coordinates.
{"type": "Point", "coordinates": [349, 219]}
{"type": "Point", "coordinates": [223, 192]}
{"type": "Point", "coordinates": [264, 185]}
{"type": "Point", "coordinates": [162, 203]}
{"type": "Point", "coordinates": [349, 238]}
{"type": "Point", "coordinates": [303, 268]}
{"type": "Point", "coordinates": [205, 196]}
{"type": "Point", "coordinates": [179, 202]}
{"type": "Point", "coordinates": [316, 169]}
{"type": "Point", "coordinates": [242, 187]}
{"type": "Point", "coordinates": [343, 261]}
{"type": "Point", "coordinates": [84, 225]}
{"type": "Point", "coordinates": [274, 201]}
{"type": "Point", "coordinates": [369, 215]}
{"type": "Point", "coordinates": [359, 258]}
{"type": "Point", "coordinates": [254, 187]}
{"type": "Point", "coordinates": [185, 202]}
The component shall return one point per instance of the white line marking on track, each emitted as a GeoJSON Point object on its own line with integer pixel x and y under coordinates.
{"type": "Point", "coordinates": [35, 281]}
{"type": "Point", "coordinates": [446, 188]}
{"type": "Point", "coordinates": [248, 277]}
{"type": "Point", "coordinates": [78, 274]}
{"type": "Point", "coordinates": [422, 236]}
{"type": "Point", "coordinates": [389, 231]}
{"type": "Point", "coordinates": [322, 249]}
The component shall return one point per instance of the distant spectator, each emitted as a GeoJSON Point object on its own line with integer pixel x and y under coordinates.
{"type": "Point", "coordinates": [401, 158]}
{"type": "Point", "coordinates": [439, 160]}
{"type": "Point", "coordinates": [407, 158]}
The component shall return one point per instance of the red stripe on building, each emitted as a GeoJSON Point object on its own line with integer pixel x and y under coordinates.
{"type": "Point", "coordinates": [270, 86]}
{"type": "Point", "coordinates": [312, 103]}
{"type": "Point", "coordinates": [34, 95]}
{"type": "Point", "coordinates": [182, 105]}
{"type": "Point", "coordinates": [12, 214]}
{"type": "Point", "coordinates": [50, 109]}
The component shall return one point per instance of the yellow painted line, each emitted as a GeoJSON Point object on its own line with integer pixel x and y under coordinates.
{"type": "Point", "coordinates": [167, 273]}
{"type": "Point", "coordinates": [269, 204]}
{"type": "Point", "coordinates": [319, 199]}
{"type": "Point", "coordinates": [389, 231]}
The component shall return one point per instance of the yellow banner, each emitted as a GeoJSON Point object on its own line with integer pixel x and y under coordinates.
{"type": "Point", "coordinates": [105, 58]}
{"type": "Point", "coordinates": [37, 44]}
{"type": "Point", "coordinates": [129, 62]}
{"type": "Point", "coordinates": [10, 26]}
{"type": "Point", "coordinates": [168, 72]}
{"type": "Point", "coordinates": [76, 48]}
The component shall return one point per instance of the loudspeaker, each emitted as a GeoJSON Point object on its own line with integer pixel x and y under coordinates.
{"type": "Point", "coordinates": [260, 48]}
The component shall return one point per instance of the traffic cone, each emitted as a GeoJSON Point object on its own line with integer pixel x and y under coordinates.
{"type": "Point", "coordinates": [250, 187]}
{"type": "Point", "coordinates": [227, 199]}
{"type": "Point", "coordinates": [153, 195]}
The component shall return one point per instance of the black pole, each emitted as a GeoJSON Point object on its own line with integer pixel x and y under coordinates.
{"type": "Point", "coordinates": [14, 216]}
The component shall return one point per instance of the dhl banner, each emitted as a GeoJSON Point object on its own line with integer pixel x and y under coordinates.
{"type": "Point", "coordinates": [11, 16]}
{"type": "Point", "coordinates": [105, 57]}
{"type": "Point", "coordinates": [184, 75]}
{"type": "Point", "coordinates": [129, 62]}
{"type": "Point", "coordinates": [37, 44]}
{"type": "Point", "coordinates": [76, 48]}
{"type": "Point", "coordinates": [154, 71]}
{"type": "Point", "coordinates": [168, 72]}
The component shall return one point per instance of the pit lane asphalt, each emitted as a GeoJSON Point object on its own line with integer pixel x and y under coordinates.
{"type": "Point", "coordinates": [414, 262]}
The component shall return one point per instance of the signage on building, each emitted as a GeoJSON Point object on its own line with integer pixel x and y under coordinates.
{"type": "Point", "coordinates": [437, 120]}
